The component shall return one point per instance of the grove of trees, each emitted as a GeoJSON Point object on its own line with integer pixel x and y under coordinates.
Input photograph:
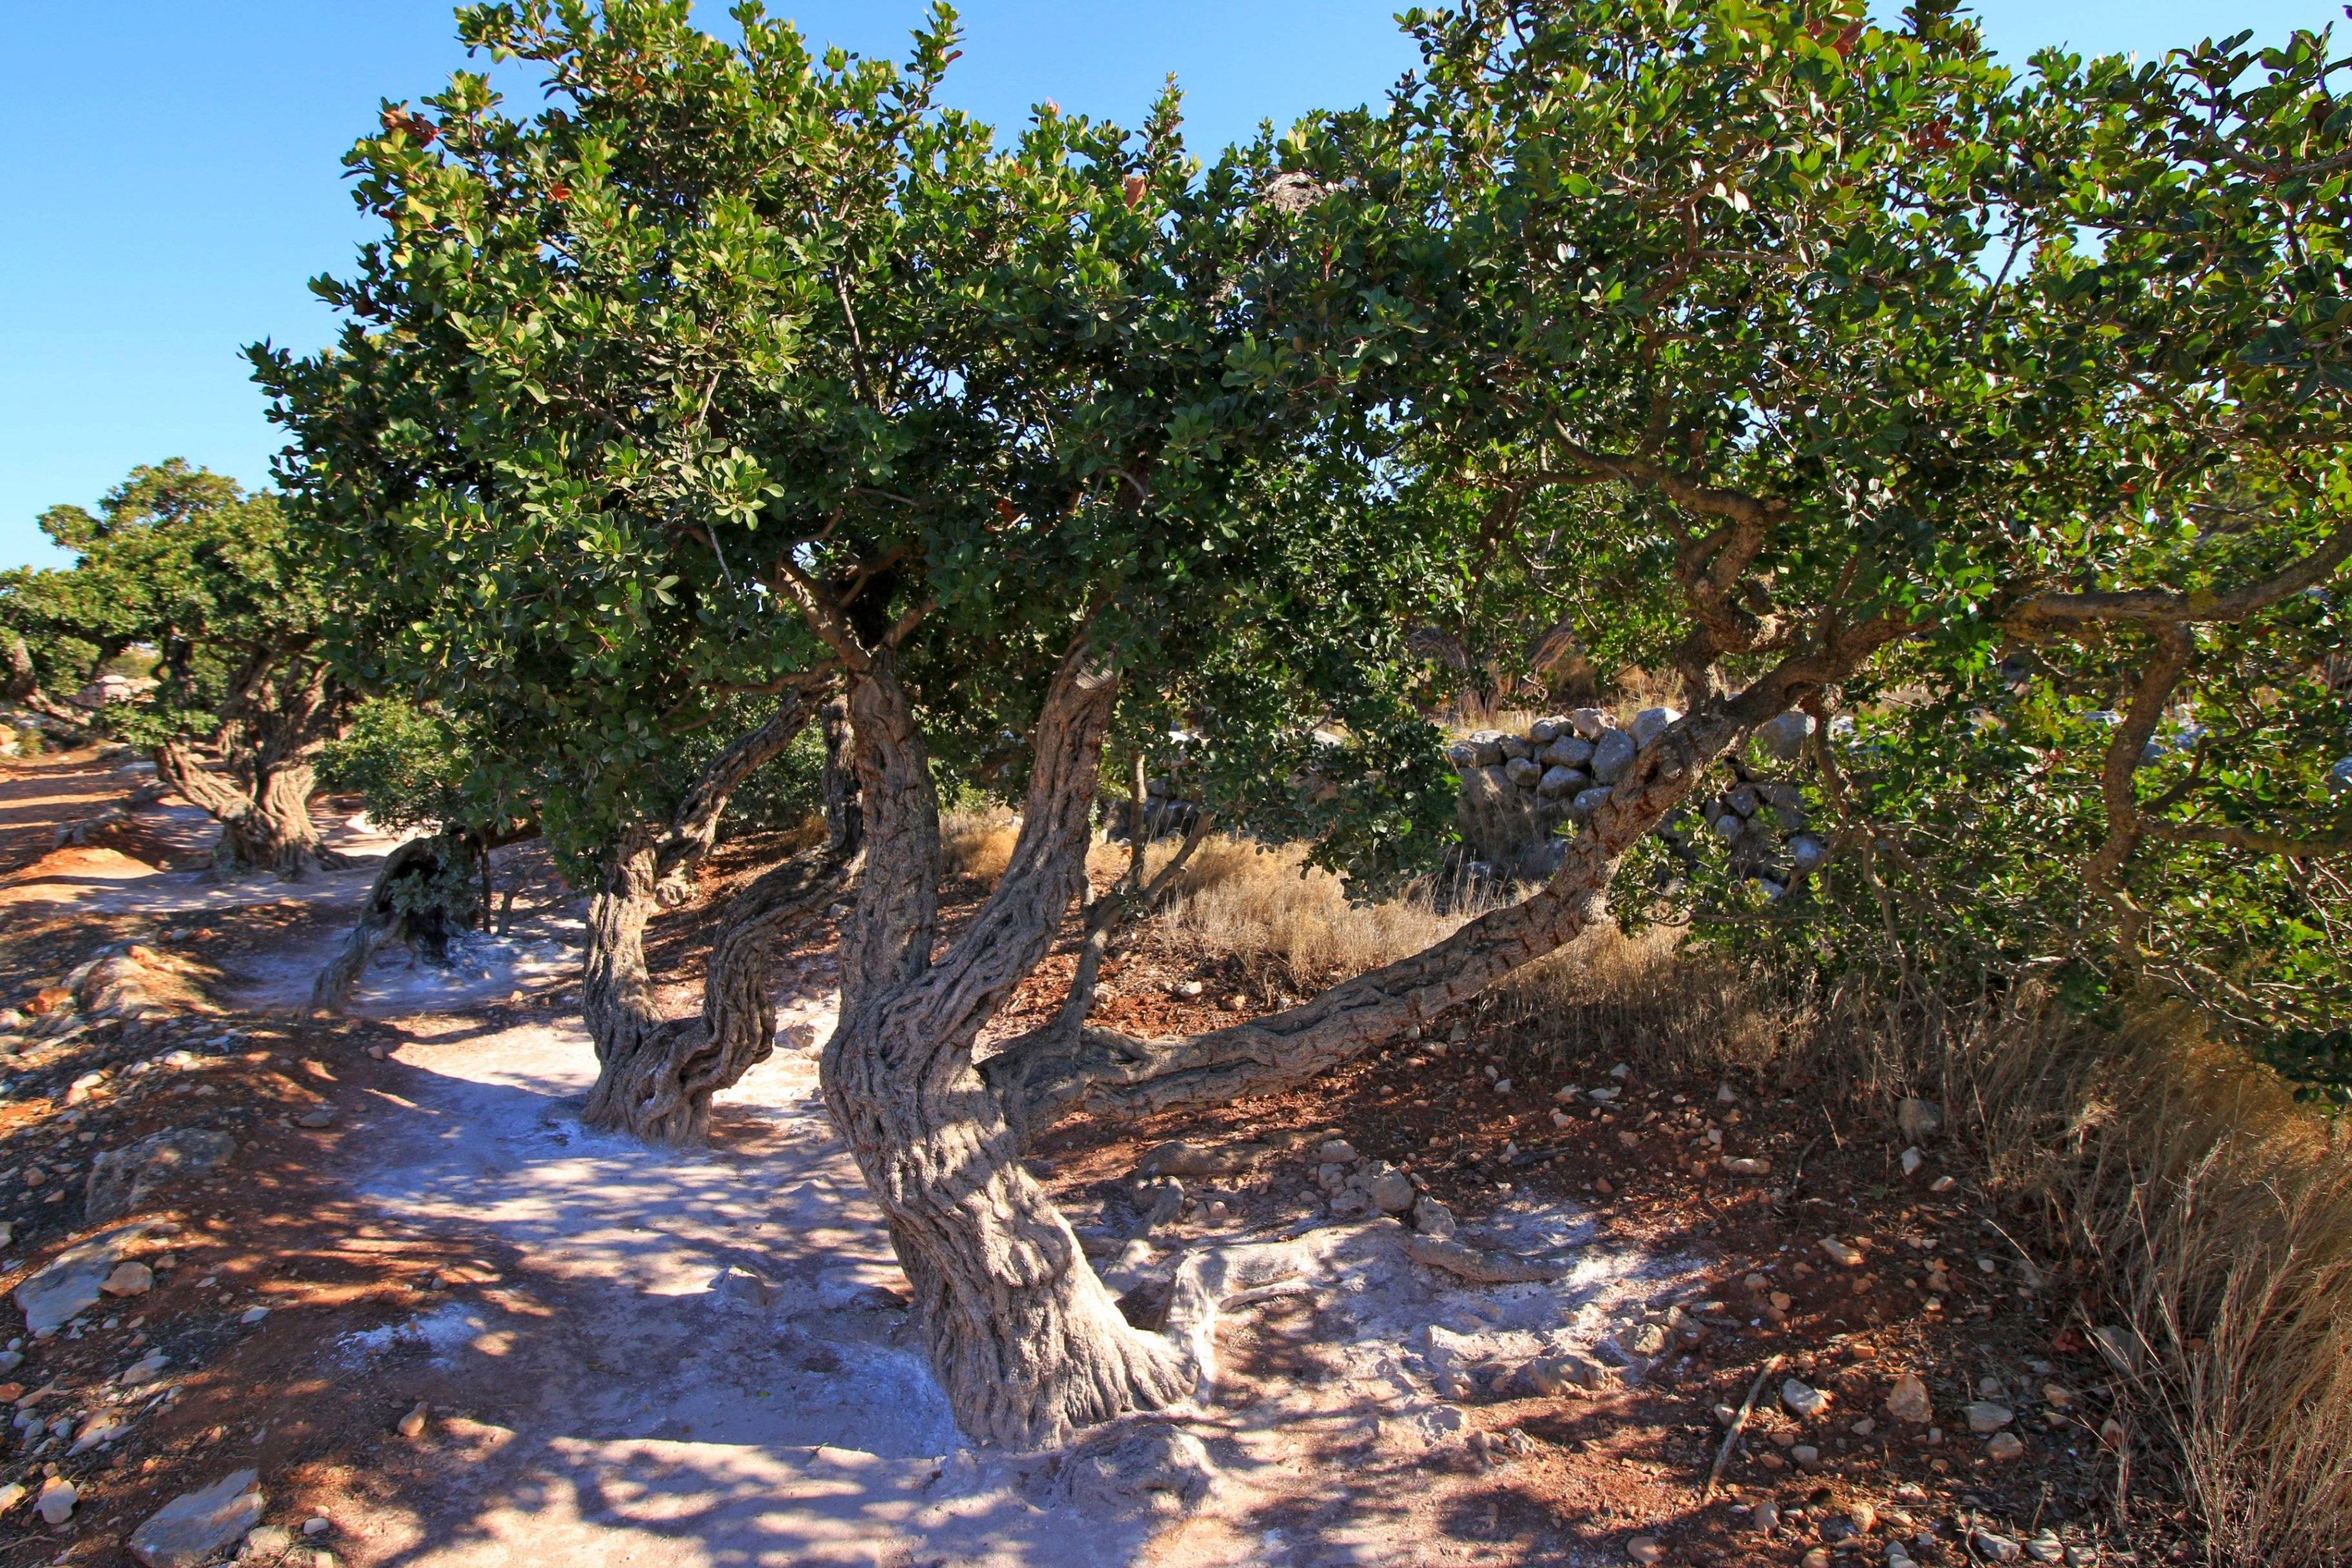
{"type": "Point", "coordinates": [745, 402]}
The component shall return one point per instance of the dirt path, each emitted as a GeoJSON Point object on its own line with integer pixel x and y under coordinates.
{"type": "Point", "coordinates": [699, 1360]}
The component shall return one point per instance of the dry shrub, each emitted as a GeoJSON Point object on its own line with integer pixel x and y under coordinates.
{"type": "Point", "coordinates": [2181, 1184]}
{"type": "Point", "coordinates": [1609, 994]}
{"type": "Point", "coordinates": [1287, 923]}
{"type": "Point", "coordinates": [978, 844]}
{"type": "Point", "coordinates": [2216, 1214]}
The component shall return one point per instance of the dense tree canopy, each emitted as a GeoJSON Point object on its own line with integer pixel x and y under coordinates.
{"type": "Point", "coordinates": [180, 566]}
{"type": "Point", "coordinates": [1823, 363]}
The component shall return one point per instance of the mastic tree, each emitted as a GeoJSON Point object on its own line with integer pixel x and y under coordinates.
{"type": "Point", "coordinates": [182, 565]}
{"type": "Point", "coordinates": [739, 368]}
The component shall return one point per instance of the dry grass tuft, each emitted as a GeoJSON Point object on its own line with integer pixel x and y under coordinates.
{"type": "Point", "coordinates": [978, 844]}
{"type": "Point", "coordinates": [1289, 924]}
{"type": "Point", "coordinates": [2181, 1182]}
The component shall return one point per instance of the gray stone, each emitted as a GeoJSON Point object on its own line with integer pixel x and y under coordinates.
{"type": "Point", "coordinates": [1802, 1399]}
{"type": "Point", "coordinates": [1807, 851]}
{"type": "Point", "coordinates": [1570, 751]}
{"type": "Point", "coordinates": [1908, 1400]}
{"type": "Point", "coordinates": [1432, 1217]}
{"type": "Point", "coordinates": [1743, 801]}
{"type": "Point", "coordinates": [69, 1285]}
{"type": "Point", "coordinates": [268, 1542]}
{"type": "Point", "coordinates": [1986, 1417]}
{"type": "Point", "coordinates": [2339, 778]}
{"type": "Point", "coordinates": [1515, 748]}
{"type": "Point", "coordinates": [1651, 722]}
{"type": "Point", "coordinates": [1589, 801]}
{"type": "Point", "coordinates": [1995, 1547]}
{"type": "Point", "coordinates": [189, 1529]}
{"type": "Point", "coordinates": [1612, 755]}
{"type": "Point", "coordinates": [1523, 771]}
{"type": "Point", "coordinates": [55, 1503]}
{"type": "Point", "coordinates": [1783, 739]}
{"type": "Point", "coordinates": [1558, 781]}
{"type": "Point", "coordinates": [1590, 723]}
{"type": "Point", "coordinates": [120, 1180]}
{"type": "Point", "coordinates": [1147, 1469]}
{"type": "Point", "coordinates": [1486, 748]}
{"type": "Point", "coordinates": [1543, 732]}
{"type": "Point", "coordinates": [1391, 1191]}
{"type": "Point", "coordinates": [1461, 754]}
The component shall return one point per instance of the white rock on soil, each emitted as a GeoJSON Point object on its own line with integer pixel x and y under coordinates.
{"type": "Point", "coordinates": [1908, 1400]}
{"type": "Point", "coordinates": [1984, 1416]}
{"type": "Point", "coordinates": [129, 1279]}
{"type": "Point", "coordinates": [55, 1503]}
{"type": "Point", "coordinates": [192, 1526]}
{"type": "Point", "coordinates": [1804, 1400]}
{"type": "Point", "coordinates": [1843, 1254]}
{"type": "Point", "coordinates": [70, 1283]}
{"type": "Point", "coordinates": [11, 1495]}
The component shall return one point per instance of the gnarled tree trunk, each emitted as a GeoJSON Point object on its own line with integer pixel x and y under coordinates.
{"type": "Point", "coordinates": [655, 1078]}
{"type": "Point", "coordinates": [1022, 1336]}
{"type": "Point", "coordinates": [1027, 1343]}
{"type": "Point", "coordinates": [265, 819]}
{"type": "Point", "coordinates": [283, 706]}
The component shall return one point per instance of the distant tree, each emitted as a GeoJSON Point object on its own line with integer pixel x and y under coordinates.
{"type": "Point", "coordinates": [181, 564]}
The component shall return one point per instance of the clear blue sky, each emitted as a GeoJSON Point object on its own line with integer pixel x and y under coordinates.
{"type": "Point", "coordinates": [170, 174]}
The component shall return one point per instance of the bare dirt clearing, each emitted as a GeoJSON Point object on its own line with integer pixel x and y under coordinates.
{"type": "Point", "coordinates": [627, 1355]}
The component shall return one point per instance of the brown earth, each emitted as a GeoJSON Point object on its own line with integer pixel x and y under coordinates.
{"type": "Point", "coordinates": [1575, 1478]}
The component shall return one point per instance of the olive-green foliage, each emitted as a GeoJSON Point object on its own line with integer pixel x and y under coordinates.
{"type": "Point", "coordinates": [410, 768]}
{"type": "Point", "coordinates": [180, 575]}
{"type": "Point", "coordinates": [618, 381]}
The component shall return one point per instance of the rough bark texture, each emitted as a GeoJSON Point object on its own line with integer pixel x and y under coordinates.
{"type": "Point", "coordinates": [655, 1078]}
{"type": "Point", "coordinates": [660, 1086]}
{"type": "Point", "coordinates": [616, 997]}
{"type": "Point", "coordinates": [265, 818]}
{"type": "Point", "coordinates": [386, 916]}
{"type": "Point", "coordinates": [283, 705]}
{"type": "Point", "coordinates": [1024, 1338]}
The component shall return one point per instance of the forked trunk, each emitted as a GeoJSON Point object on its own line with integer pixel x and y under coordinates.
{"type": "Point", "coordinates": [1025, 1341]}
{"type": "Point", "coordinates": [656, 1083]}
{"type": "Point", "coordinates": [655, 1079]}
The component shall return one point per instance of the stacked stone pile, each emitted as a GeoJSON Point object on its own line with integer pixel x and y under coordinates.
{"type": "Point", "coordinates": [1518, 790]}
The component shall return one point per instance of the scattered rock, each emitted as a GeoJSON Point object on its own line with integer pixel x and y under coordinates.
{"type": "Point", "coordinates": [122, 1180]}
{"type": "Point", "coordinates": [1912, 1160]}
{"type": "Point", "coordinates": [1146, 1468]}
{"type": "Point", "coordinates": [268, 1542]}
{"type": "Point", "coordinates": [1986, 1416]}
{"type": "Point", "coordinates": [252, 1315]}
{"type": "Point", "coordinates": [2004, 1446]}
{"type": "Point", "coordinates": [189, 1529]}
{"type": "Point", "coordinates": [1645, 1549]}
{"type": "Point", "coordinates": [55, 1503]}
{"type": "Point", "coordinates": [1745, 1167]}
{"type": "Point", "coordinates": [11, 1495]}
{"type": "Point", "coordinates": [317, 1524]}
{"type": "Point", "coordinates": [1994, 1547]}
{"type": "Point", "coordinates": [2046, 1547]}
{"type": "Point", "coordinates": [317, 1117]}
{"type": "Point", "coordinates": [1767, 1517]}
{"type": "Point", "coordinates": [1803, 1400]}
{"type": "Point", "coordinates": [1843, 1254]}
{"type": "Point", "coordinates": [102, 1428]}
{"type": "Point", "coordinates": [1392, 1191]}
{"type": "Point", "coordinates": [70, 1283]}
{"type": "Point", "coordinates": [129, 1279]}
{"type": "Point", "coordinates": [1431, 1217]}
{"type": "Point", "coordinates": [1908, 1400]}
{"type": "Point", "coordinates": [145, 1370]}
{"type": "Point", "coordinates": [412, 1426]}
